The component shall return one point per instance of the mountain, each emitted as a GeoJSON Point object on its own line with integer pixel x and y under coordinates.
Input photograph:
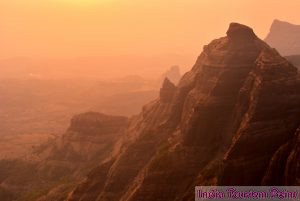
{"type": "Point", "coordinates": [284, 37]}
{"type": "Point", "coordinates": [294, 59]}
{"type": "Point", "coordinates": [53, 168]}
{"type": "Point", "coordinates": [285, 165]}
{"type": "Point", "coordinates": [225, 123]}
{"type": "Point", "coordinates": [173, 74]}
{"type": "Point", "coordinates": [89, 135]}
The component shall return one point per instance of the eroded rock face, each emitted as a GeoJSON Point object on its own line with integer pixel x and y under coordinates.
{"type": "Point", "coordinates": [292, 169]}
{"type": "Point", "coordinates": [267, 123]}
{"type": "Point", "coordinates": [284, 37]}
{"type": "Point", "coordinates": [226, 119]}
{"type": "Point", "coordinates": [284, 167]}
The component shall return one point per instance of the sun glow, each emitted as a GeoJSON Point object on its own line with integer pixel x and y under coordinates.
{"type": "Point", "coordinates": [86, 2]}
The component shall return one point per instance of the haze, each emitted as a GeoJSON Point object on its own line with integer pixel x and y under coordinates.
{"type": "Point", "coordinates": [134, 35]}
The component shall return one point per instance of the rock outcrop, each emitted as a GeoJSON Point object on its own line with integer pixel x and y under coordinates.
{"type": "Point", "coordinates": [284, 37]}
{"type": "Point", "coordinates": [221, 125]}
{"type": "Point", "coordinates": [57, 166]}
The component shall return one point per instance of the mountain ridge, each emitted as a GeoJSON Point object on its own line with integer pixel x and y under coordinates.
{"type": "Point", "coordinates": [221, 125]}
{"type": "Point", "coordinates": [284, 36]}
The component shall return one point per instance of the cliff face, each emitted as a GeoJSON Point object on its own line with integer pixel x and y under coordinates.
{"type": "Point", "coordinates": [284, 167]}
{"type": "Point", "coordinates": [292, 168]}
{"type": "Point", "coordinates": [284, 37]}
{"type": "Point", "coordinates": [221, 125]}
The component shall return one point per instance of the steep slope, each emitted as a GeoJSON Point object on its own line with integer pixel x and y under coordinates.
{"type": "Point", "coordinates": [284, 167]}
{"type": "Point", "coordinates": [284, 37]}
{"type": "Point", "coordinates": [221, 125]}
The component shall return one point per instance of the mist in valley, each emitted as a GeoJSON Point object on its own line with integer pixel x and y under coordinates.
{"type": "Point", "coordinates": [131, 100]}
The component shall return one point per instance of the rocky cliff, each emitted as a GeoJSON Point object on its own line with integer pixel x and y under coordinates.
{"type": "Point", "coordinates": [223, 124]}
{"type": "Point", "coordinates": [284, 37]}
{"type": "Point", "coordinates": [284, 167]}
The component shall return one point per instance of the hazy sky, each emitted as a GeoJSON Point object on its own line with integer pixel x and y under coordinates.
{"type": "Point", "coordinates": [70, 28]}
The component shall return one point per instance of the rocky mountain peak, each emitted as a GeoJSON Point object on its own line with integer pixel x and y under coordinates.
{"type": "Point", "coordinates": [225, 119]}
{"type": "Point", "coordinates": [173, 74]}
{"type": "Point", "coordinates": [284, 36]}
{"type": "Point", "coordinates": [168, 84]}
{"type": "Point", "coordinates": [278, 25]}
{"type": "Point", "coordinates": [167, 90]}
{"type": "Point", "coordinates": [237, 32]}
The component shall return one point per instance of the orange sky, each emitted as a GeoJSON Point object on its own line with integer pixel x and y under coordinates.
{"type": "Point", "coordinates": [71, 28]}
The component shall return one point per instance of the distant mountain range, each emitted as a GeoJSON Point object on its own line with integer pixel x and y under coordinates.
{"type": "Point", "coordinates": [294, 59]}
{"type": "Point", "coordinates": [101, 67]}
{"type": "Point", "coordinates": [285, 37]}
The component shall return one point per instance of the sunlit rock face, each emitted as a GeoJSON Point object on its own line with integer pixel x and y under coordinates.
{"type": "Point", "coordinates": [221, 125]}
{"type": "Point", "coordinates": [284, 37]}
